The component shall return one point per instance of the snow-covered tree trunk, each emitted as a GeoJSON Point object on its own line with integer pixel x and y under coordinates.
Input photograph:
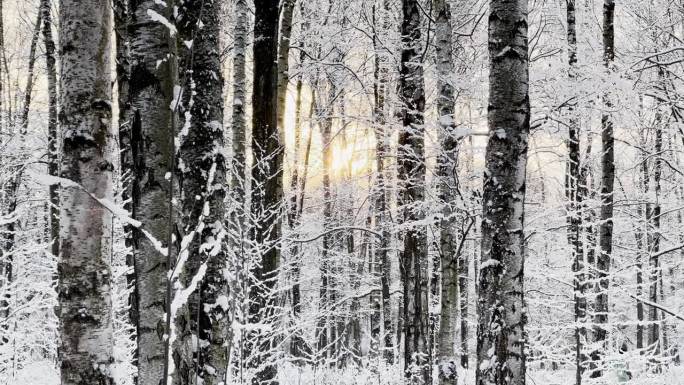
{"type": "Point", "coordinates": [147, 133]}
{"type": "Point", "coordinates": [297, 194]}
{"type": "Point", "coordinates": [412, 169]}
{"type": "Point", "coordinates": [381, 207]}
{"type": "Point", "coordinates": [604, 258]}
{"type": "Point", "coordinates": [448, 195]}
{"type": "Point", "coordinates": [642, 251]}
{"type": "Point", "coordinates": [85, 277]}
{"type": "Point", "coordinates": [653, 217]}
{"type": "Point", "coordinates": [28, 91]}
{"type": "Point", "coordinates": [464, 280]}
{"type": "Point", "coordinates": [267, 187]}
{"type": "Point", "coordinates": [572, 178]}
{"type": "Point", "coordinates": [501, 307]}
{"type": "Point", "coordinates": [53, 140]}
{"type": "Point", "coordinates": [122, 20]}
{"type": "Point", "coordinates": [239, 120]}
{"type": "Point", "coordinates": [200, 348]}
{"type": "Point", "coordinates": [287, 12]}
{"type": "Point", "coordinates": [238, 184]}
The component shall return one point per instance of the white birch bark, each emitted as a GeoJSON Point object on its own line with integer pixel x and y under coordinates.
{"type": "Point", "coordinates": [84, 273]}
{"type": "Point", "coordinates": [238, 184]}
{"type": "Point", "coordinates": [53, 156]}
{"type": "Point", "coordinates": [446, 170]}
{"type": "Point", "coordinates": [501, 307]}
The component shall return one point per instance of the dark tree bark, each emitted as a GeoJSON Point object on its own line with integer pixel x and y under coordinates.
{"type": "Point", "coordinates": [653, 211]}
{"type": "Point", "coordinates": [147, 123]}
{"type": "Point", "coordinates": [448, 196]}
{"type": "Point", "coordinates": [604, 258]}
{"type": "Point", "coordinates": [200, 350]}
{"type": "Point", "coordinates": [287, 12]}
{"type": "Point", "coordinates": [122, 20]}
{"type": "Point", "coordinates": [574, 199]}
{"type": "Point", "coordinates": [501, 306]}
{"type": "Point", "coordinates": [53, 140]}
{"type": "Point", "coordinates": [267, 186]}
{"type": "Point", "coordinates": [463, 289]}
{"type": "Point", "coordinates": [28, 91]}
{"type": "Point", "coordinates": [85, 278]}
{"type": "Point", "coordinates": [238, 184]}
{"type": "Point", "coordinates": [411, 163]}
{"type": "Point", "coordinates": [642, 239]}
{"type": "Point", "coordinates": [641, 256]}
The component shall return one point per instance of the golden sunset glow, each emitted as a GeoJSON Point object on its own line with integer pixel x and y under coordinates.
{"type": "Point", "coordinates": [352, 147]}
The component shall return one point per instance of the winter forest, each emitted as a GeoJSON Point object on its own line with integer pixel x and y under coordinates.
{"type": "Point", "coordinates": [342, 192]}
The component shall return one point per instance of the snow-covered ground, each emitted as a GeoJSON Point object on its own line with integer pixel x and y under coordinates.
{"type": "Point", "coordinates": [44, 373]}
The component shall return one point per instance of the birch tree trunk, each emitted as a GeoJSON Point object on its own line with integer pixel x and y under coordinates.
{"type": "Point", "coordinates": [238, 184]}
{"type": "Point", "coordinates": [200, 350]}
{"type": "Point", "coordinates": [147, 132]}
{"type": "Point", "coordinates": [267, 186]}
{"type": "Point", "coordinates": [501, 307]}
{"type": "Point", "coordinates": [604, 258]}
{"type": "Point", "coordinates": [446, 172]}
{"type": "Point", "coordinates": [411, 163]}
{"type": "Point", "coordinates": [85, 278]}
{"type": "Point", "coordinates": [53, 155]}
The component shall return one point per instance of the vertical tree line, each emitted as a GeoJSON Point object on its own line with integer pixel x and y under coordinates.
{"type": "Point", "coordinates": [84, 273]}
{"type": "Point", "coordinates": [260, 242]}
{"type": "Point", "coordinates": [501, 357]}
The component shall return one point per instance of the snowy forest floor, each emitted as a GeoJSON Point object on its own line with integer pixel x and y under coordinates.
{"type": "Point", "coordinates": [44, 373]}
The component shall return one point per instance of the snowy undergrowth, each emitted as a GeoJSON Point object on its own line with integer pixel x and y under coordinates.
{"type": "Point", "coordinates": [45, 373]}
{"type": "Point", "coordinates": [309, 375]}
{"type": "Point", "coordinates": [673, 375]}
{"type": "Point", "coordinates": [38, 373]}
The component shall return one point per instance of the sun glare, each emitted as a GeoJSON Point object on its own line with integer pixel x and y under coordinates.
{"type": "Point", "coordinates": [352, 148]}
